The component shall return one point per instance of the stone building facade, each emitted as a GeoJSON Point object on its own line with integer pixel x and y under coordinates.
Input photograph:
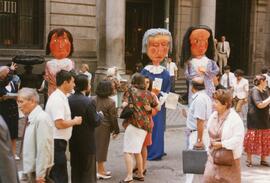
{"type": "Point", "coordinates": [108, 32]}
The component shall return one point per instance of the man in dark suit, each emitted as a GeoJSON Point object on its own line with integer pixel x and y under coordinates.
{"type": "Point", "coordinates": [82, 142]}
{"type": "Point", "coordinates": [8, 170]}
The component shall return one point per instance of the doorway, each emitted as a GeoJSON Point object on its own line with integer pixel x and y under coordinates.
{"type": "Point", "coordinates": [141, 15]}
{"type": "Point", "coordinates": [233, 21]}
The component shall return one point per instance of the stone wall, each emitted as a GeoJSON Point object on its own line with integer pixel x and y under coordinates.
{"type": "Point", "coordinates": [258, 35]}
{"type": "Point", "coordinates": [79, 17]}
{"type": "Point", "coordinates": [267, 35]}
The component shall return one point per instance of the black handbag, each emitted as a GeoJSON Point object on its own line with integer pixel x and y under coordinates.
{"type": "Point", "coordinates": [128, 110]}
{"type": "Point", "coordinates": [194, 161]}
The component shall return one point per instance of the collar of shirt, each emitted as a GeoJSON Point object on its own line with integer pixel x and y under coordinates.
{"type": "Point", "coordinates": [198, 93]}
{"type": "Point", "coordinates": [200, 59]}
{"type": "Point", "coordinates": [155, 69]}
{"type": "Point", "coordinates": [34, 113]}
{"type": "Point", "coordinates": [61, 94]}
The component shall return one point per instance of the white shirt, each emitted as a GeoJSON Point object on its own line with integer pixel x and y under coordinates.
{"type": "Point", "coordinates": [200, 108]}
{"type": "Point", "coordinates": [224, 79]}
{"type": "Point", "coordinates": [58, 108]}
{"type": "Point", "coordinates": [55, 65]}
{"type": "Point", "coordinates": [240, 90]}
{"type": "Point", "coordinates": [232, 133]}
{"type": "Point", "coordinates": [171, 68]}
{"type": "Point", "coordinates": [38, 146]}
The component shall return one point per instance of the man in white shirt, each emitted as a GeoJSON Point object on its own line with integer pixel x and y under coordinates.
{"type": "Point", "coordinates": [172, 69]}
{"type": "Point", "coordinates": [38, 137]}
{"type": "Point", "coordinates": [223, 49]}
{"type": "Point", "coordinates": [240, 91]}
{"type": "Point", "coordinates": [58, 109]}
{"type": "Point", "coordinates": [198, 113]}
{"type": "Point", "coordinates": [228, 78]}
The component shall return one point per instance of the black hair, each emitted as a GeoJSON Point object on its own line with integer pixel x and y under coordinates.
{"type": "Point", "coordinates": [238, 72]}
{"type": "Point", "coordinates": [63, 76]}
{"type": "Point", "coordinates": [264, 70]}
{"type": "Point", "coordinates": [258, 78]}
{"type": "Point", "coordinates": [138, 67]}
{"type": "Point", "coordinates": [150, 83]}
{"type": "Point", "coordinates": [59, 32]}
{"type": "Point", "coordinates": [226, 67]}
{"type": "Point", "coordinates": [81, 82]}
{"type": "Point", "coordinates": [138, 81]}
{"type": "Point", "coordinates": [186, 52]}
{"type": "Point", "coordinates": [197, 85]}
{"type": "Point", "coordinates": [104, 89]}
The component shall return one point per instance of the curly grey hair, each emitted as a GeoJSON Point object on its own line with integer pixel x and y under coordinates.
{"type": "Point", "coordinates": [152, 33]}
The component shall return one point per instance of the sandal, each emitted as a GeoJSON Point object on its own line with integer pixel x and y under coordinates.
{"type": "Point", "coordinates": [248, 163]}
{"type": "Point", "coordinates": [264, 163]}
{"type": "Point", "coordinates": [138, 178]}
{"type": "Point", "coordinates": [126, 181]}
{"type": "Point", "coordinates": [144, 172]}
{"type": "Point", "coordinates": [135, 170]}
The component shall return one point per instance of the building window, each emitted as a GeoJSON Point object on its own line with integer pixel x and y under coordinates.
{"type": "Point", "coordinates": [21, 23]}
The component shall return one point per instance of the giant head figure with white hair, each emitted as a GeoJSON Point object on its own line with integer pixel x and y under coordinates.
{"type": "Point", "coordinates": [156, 44]}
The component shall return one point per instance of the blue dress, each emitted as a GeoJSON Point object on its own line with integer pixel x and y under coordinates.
{"type": "Point", "coordinates": [156, 150]}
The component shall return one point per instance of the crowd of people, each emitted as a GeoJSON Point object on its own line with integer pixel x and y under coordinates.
{"type": "Point", "coordinates": [72, 114]}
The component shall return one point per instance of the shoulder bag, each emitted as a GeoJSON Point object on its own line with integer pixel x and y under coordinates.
{"type": "Point", "coordinates": [128, 110]}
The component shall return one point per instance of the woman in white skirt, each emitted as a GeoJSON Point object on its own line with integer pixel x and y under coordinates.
{"type": "Point", "coordinates": [138, 125]}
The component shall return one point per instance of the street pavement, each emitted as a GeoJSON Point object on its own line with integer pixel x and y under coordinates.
{"type": "Point", "coordinates": [169, 169]}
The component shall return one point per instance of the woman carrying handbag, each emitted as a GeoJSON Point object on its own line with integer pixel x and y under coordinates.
{"type": "Point", "coordinates": [226, 132]}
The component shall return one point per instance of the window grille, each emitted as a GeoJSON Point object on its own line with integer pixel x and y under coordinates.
{"type": "Point", "coordinates": [21, 23]}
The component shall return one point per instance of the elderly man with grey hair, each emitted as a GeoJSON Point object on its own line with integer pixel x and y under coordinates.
{"type": "Point", "coordinates": [38, 141]}
{"type": "Point", "coordinates": [156, 44]}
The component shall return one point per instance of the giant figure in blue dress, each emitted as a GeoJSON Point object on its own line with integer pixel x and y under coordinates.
{"type": "Point", "coordinates": [156, 44]}
{"type": "Point", "coordinates": [198, 56]}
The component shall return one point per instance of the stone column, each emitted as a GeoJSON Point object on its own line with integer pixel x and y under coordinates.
{"type": "Point", "coordinates": [110, 36]}
{"type": "Point", "coordinates": [208, 13]}
{"type": "Point", "coordinates": [115, 34]}
{"type": "Point", "coordinates": [101, 36]}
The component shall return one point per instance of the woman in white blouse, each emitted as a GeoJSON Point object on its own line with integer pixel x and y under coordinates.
{"type": "Point", "coordinates": [226, 130]}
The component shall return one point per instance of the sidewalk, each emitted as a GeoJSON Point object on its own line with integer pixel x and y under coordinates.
{"type": "Point", "coordinates": [169, 170]}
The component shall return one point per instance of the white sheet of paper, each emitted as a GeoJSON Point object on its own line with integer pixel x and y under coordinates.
{"type": "Point", "coordinates": [157, 83]}
{"type": "Point", "coordinates": [171, 101]}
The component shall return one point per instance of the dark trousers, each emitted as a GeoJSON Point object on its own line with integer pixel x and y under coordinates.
{"type": "Point", "coordinates": [59, 170]}
{"type": "Point", "coordinates": [172, 78]}
{"type": "Point", "coordinates": [31, 177]}
{"type": "Point", "coordinates": [83, 168]}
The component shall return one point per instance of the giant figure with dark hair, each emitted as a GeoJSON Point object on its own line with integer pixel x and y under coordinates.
{"type": "Point", "coordinates": [198, 57]}
{"type": "Point", "coordinates": [60, 45]}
